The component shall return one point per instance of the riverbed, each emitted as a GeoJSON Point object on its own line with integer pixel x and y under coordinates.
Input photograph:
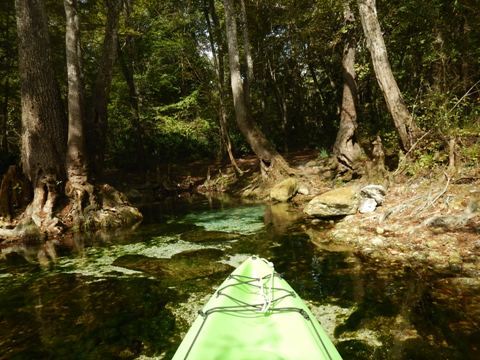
{"type": "Point", "coordinates": [133, 294]}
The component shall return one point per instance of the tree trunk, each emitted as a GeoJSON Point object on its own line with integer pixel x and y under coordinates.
{"type": "Point", "coordinates": [246, 41]}
{"type": "Point", "coordinates": [209, 9]}
{"type": "Point", "coordinates": [97, 127]}
{"type": "Point", "coordinates": [43, 120]}
{"type": "Point", "coordinates": [440, 65]}
{"type": "Point", "coordinates": [127, 70]}
{"type": "Point", "coordinates": [4, 116]}
{"type": "Point", "coordinates": [6, 68]}
{"type": "Point", "coordinates": [126, 54]}
{"type": "Point", "coordinates": [465, 67]}
{"type": "Point", "coordinates": [272, 163]}
{"type": "Point", "coordinates": [76, 162]}
{"type": "Point", "coordinates": [281, 103]}
{"type": "Point", "coordinates": [406, 127]}
{"type": "Point", "coordinates": [247, 61]}
{"type": "Point", "coordinates": [313, 74]}
{"type": "Point", "coordinates": [346, 149]}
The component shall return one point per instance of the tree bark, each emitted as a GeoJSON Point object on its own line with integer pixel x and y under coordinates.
{"type": "Point", "coordinates": [43, 118]}
{"type": "Point", "coordinates": [246, 41]}
{"type": "Point", "coordinates": [98, 122]}
{"type": "Point", "coordinates": [6, 68]}
{"type": "Point", "coordinates": [406, 127]}
{"type": "Point", "coordinates": [127, 70]}
{"type": "Point", "coordinates": [272, 163]}
{"type": "Point", "coordinates": [346, 149]}
{"type": "Point", "coordinates": [4, 115]}
{"type": "Point", "coordinates": [209, 10]}
{"type": "Point", "coordinates": [281, 103]}
{"type": "Point", "coordinates": [465, 67]}
{"type": "Point", "coordinates": [247, 61]}
{"type": "Point", "coordinates": [126, 54]}
{"type": "Point", "coordinates": [76, 161]}
{"type": "Point", "coordinates": [440, 65]}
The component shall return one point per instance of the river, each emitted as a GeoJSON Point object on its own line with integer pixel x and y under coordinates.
{"type": "Point", "coordinates": [133, 294]}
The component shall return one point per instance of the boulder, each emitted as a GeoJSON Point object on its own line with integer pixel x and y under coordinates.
{"type": "Point", "coordinates": [337, 202]}
{"type": "Point", "coordinates": [375, 192]}
{"type": "Point", "coordinates": [284, 190]}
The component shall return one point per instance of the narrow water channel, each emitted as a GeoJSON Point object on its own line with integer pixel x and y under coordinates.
{"type": "Point", "coordinates": [132, 295]}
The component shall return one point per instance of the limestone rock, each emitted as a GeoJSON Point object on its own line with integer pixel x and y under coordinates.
{"type": "Point", "coordinates": [375, 192]}
{"type": "Point", "coordinates": [367, 205]}
{"type": "Point", "coordinates": [377, 241]}
{"type": "Point", "coordinates": [284, 190]}
{"type": "Point", "coordinates": [337, 202]}
{"type": "Point", "coordinates": [303, 190]}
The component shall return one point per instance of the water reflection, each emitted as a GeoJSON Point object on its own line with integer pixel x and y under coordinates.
{"type": "Point", "coordinates": [65, 317]}
{"type": "Point", "coordinates": [281, 216]}
{"type": "Point", "coordinates": [118, 295]}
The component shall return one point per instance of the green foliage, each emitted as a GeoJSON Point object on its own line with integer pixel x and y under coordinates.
{"type": "Point", "coordinates": [297, 49]}
{"type": "Point", "coordinates": [323, 153]}
{"type": "Point", "coordinates": [469, 141]}
{"type": "Point", "coordinates": [181, 132]}
{"type": "Point", "coordinates": [471, 154]}
{"type": "Point", "coordinates": [9, 88]}
{"type": "Point", "coordinates": [173, 132]}
{"type": "Point", "coordinates": [448, 116]}
{"type": "Point", "coordinates": [443, 112]}
{"type": "Point", "coordinates": [296, 86]}
{"type": "Point", "coordinates": [171, 75]}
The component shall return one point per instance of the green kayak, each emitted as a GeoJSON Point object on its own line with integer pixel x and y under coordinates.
{"type": "Point", "coordinates": [256, 315]}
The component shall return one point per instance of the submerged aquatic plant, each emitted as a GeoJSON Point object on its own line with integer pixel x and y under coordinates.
{"type": "Point", "coordinates": [242, 220]}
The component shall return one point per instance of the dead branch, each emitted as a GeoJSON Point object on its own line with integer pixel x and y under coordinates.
{"type": "Point", "coordinates": [400, 208]}
{"type": "Point", "coordinates": [404, 159]}
{"type": "Point", "coordinates": [438, 196]}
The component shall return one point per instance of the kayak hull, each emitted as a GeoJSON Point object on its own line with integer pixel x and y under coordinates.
{"type": "Point", "coordinates": [255, 314]}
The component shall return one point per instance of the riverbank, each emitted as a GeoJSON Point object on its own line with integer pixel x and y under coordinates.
{"type": "Point", "coordinates": [429, 221]}
{"type": "Point", "coordinates": [407, 231]}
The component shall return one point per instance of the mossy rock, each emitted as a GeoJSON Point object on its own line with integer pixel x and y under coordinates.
{"type": "Point", "coordinates": [184, 266]}
{"type": "Point", "coordinates": [284, 190]}
{"type": "Point", "coordinates": [338, 202]}
{"type": "Point", "coordinates": [119, 217]}
{"type": "Point", "coordinates": [202, 236]}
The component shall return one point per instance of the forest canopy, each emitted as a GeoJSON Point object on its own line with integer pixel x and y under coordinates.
{"type": "Point", "coordinates": [163, 104]}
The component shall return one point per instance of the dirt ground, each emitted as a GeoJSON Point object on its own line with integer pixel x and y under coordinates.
{"type": "Point", "coordinates": [427, 223]}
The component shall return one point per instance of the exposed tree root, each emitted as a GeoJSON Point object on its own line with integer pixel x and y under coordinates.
{"type": "Point", "coordinates": [114, 211]}
{"type": "Point", "coordinates": [87, 208]}
{"type": "Point", "coordinates": [276, 169]}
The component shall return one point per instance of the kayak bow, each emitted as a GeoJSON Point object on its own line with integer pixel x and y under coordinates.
{"type": "Point", "coordinates": [255, 314]}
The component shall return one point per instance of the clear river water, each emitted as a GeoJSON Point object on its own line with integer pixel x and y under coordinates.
{"type": "Point", "coordinates": [133, 294]}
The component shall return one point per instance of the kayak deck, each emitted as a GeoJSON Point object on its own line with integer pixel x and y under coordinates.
{"type": "Point", "coordinates": [255, 314]}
